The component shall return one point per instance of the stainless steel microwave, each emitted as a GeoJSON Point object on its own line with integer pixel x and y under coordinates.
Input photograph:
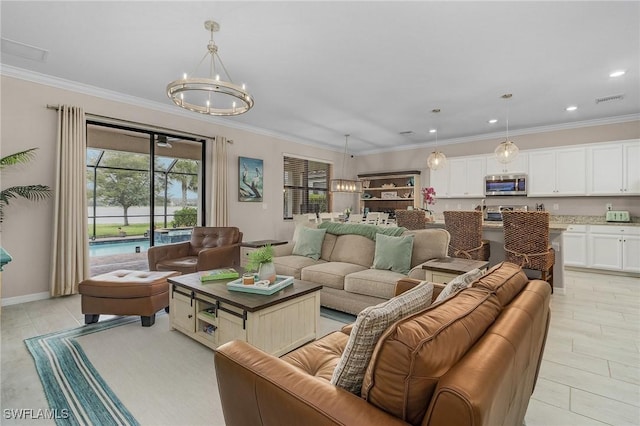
{"type": "Point", "coordinates": [505, 185]}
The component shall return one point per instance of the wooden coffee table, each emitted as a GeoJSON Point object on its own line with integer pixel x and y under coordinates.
{"type": "Point", "coordinates": [212, 315]}
{"type": "Point", "coordinates": [444, 269]}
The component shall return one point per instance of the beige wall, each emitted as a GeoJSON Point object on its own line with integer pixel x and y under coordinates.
{"type": "Point", "coordinates": [27, 123]}
{"type": "Point", "coordinates": [415, 159]}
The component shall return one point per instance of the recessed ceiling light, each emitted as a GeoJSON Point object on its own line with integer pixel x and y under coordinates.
{"type": "Point", "coordinates": [618, 73]}
{"type": "Point", "coordinates": [492, 121]}
{"type": "Point", "coordinates": [572, 108]}
{"type": "Point", "coordinates": [432, 130]}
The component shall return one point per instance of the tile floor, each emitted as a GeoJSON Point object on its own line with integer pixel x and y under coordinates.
{"type": "Point", "coordinates": [590, 373]}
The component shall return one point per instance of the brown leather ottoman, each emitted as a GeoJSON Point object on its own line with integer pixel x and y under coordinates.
{"type": "Point", "coordinates": [125, 292]}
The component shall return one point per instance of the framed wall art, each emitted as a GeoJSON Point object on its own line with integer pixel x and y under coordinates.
{"type": "Point", "coordinates": [250, 179]}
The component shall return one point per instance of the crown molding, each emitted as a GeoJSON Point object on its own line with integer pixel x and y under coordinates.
{"type": "Point", "coordinates": [74, 86]}
{"type": "Point", "coordinates": [527, 131]}
{"type": "Point", "coordinates": [60, 83]}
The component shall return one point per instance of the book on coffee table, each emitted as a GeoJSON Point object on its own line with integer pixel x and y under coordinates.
{"type": "Point", "coordinates": [219, 274]}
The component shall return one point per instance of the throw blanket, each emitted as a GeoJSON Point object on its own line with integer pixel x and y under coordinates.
{"type": "Point", "coordinates": [368, 231]}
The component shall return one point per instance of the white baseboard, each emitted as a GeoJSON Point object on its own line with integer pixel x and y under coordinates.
{"type": "Point", "coordinates": [26, 298]}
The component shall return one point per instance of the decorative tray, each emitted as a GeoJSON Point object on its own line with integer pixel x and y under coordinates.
{"type": "Point", "coordinates": [281, 282]}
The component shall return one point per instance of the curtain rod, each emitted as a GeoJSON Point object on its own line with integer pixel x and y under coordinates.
{"type": "Point", "coordinates": [141, 126]}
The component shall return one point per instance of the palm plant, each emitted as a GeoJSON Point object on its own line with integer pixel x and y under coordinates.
{"type": "Point", "coordinates": [30, 192]}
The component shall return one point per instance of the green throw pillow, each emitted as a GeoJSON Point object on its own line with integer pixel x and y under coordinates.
{"type": "Point", "coordinates": [393, 253]}
{"type": "Point", "coordinates": [309, 242]}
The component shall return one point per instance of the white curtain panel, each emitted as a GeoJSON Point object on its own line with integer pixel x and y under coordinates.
{"type": "Point", "coordinates": [70, 253]}
{"type": "Point", "coordinates": [220, 208]}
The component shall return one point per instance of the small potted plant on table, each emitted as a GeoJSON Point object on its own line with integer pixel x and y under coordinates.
{"type": "Point", "coordinates": [261, 260]}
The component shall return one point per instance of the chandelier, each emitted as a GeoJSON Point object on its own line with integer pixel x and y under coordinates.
{"type": "Point", "coordinates": [507, 151]}
{"type": "Point", "coordinates": [436, 159]}
{"type": "Point", "coordinates": [210, 95]}
{"type": "Point", "coordinates": [345, 185]}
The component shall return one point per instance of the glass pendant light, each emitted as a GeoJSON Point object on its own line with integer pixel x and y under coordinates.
{"type": "Point", "coordinates": [507, 151]}
{"type": "Point", "coordinates": [436, 159]}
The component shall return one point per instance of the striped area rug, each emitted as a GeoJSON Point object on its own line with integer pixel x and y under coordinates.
{"type": "Point", "coordinates": [75, 391]}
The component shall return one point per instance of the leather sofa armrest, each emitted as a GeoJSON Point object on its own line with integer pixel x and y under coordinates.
{"type": "Point", "coordinates": [283, 249]}
{"type": "Point", "coordinates": [219, 257]}
{"type": "Point", "coordinates": [156, 254]}
{"type": "Point", "coordinates": [259, 389]}
{"type": "Point", "coordinates": [405, 284]}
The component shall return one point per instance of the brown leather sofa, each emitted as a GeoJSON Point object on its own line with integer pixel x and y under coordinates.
{"type": "Point", "coordinates": [472, 359]}
{"type": "Point", "coordinates": [209, 248]}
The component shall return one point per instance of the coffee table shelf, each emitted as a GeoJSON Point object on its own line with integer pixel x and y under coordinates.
{"type": "Point", "coordinates": [275, 323]}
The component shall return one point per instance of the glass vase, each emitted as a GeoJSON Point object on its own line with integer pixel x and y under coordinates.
{"type": "Point", "coordinates": [267, 271]}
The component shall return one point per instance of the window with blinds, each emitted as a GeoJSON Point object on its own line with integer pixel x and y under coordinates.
{"type": "Point", "coordinates": [306, 186]}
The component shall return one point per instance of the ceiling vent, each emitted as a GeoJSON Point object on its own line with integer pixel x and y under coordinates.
{"type": "Point", "coordinates": [406, 133]}
{"type": "Point", "coordinates": [610, 98]}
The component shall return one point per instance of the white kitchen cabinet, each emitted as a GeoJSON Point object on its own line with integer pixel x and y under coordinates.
{"type": "Point", "coordinates": [558, 172]}
{"type": "Point", "coordinates": [574, 241]}
{"type": "Point", "coordinates": [614, 169]}
{"type": "Point", "coordinates": [439, 180]}
{"type": "Point", "coordinates": [466, 177]}
{"type": "Point", "coordinates": [519, 165]}
{"type": "Point", "coordinates": [614, 248]}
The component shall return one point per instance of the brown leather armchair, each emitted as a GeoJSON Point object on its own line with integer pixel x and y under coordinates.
{"type": "Point", "coordinates": [209, 248]}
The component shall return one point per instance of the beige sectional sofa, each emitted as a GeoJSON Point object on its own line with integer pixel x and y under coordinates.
{"type": "Point", "coordinates": [345, 267]}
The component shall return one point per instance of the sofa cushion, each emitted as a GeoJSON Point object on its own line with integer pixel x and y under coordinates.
{"type": "Point", "coordinates": [372, 282]}
{"type": "Point", "coordinates": [393, 253]}
{"type": "Point", "coordinates": [354, 249]}
{"type": "Point", "coordinates": [319, 358]}
{"type": "Point", "coordinates": [428, 244]}
{"type": "Point", "coordinates": [296, 231]}
{"type": "Point", "coordinates": [415, 352]}
{"type": "Point", "coordinates": [292, 265]}
{"type": "Point", "coordinates": [505, 279]}
{"type": "Point", "coordinates": [329, 274]}
{"type": "Point", "coordinates": [369, 325]}
{"type": "Point", "coordinates": [309, 242]}
{"type": "Point", "coordinates": [458, 283]}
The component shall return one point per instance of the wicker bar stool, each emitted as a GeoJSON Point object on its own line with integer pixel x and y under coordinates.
{"type": "Point", "coordinates": [411, 219]}
{"type": "Point", "coordinates": [465, 228]}
{"type": "Point", "coordinates": [526, 242]}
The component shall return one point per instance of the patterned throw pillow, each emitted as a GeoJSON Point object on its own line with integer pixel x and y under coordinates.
{"type": "Point", "coordinates": [368, 328]}
{"type": "Point", "coordinates": [458, 283]}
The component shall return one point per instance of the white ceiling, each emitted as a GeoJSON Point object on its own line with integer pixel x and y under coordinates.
{"type": "Point", "coordinates": [318, 70]}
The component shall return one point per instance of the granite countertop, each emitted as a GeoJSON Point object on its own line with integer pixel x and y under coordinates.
{"type": "Point", "coordinates": [557, 223]}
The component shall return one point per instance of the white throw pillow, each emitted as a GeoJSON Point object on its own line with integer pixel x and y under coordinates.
{"type": "Point", "coordinates": [458, 283]}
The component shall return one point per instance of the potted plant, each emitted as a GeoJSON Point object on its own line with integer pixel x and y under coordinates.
{"type": "Point", "coordinates": [261, 260]}
{"type": "Point", "coordinates": [29, 192]}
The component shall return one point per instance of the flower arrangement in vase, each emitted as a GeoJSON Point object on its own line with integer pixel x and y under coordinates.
{"type": "Point", "coordinates": [428, 197]}
{"type": "Point", "coordinates": [261, 260]}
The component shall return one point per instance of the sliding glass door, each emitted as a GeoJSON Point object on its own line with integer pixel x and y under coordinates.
{"type": "Point", "coordinates": [131, 208]}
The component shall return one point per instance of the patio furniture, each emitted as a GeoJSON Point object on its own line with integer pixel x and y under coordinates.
{"type": "Point", "coordinates": [209, 248]}
{"type": "Point", "coordinates": [125, 292]}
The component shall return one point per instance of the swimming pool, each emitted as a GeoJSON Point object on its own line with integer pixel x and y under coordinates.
{"type": "Point", "coordinates": [109, 248]}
